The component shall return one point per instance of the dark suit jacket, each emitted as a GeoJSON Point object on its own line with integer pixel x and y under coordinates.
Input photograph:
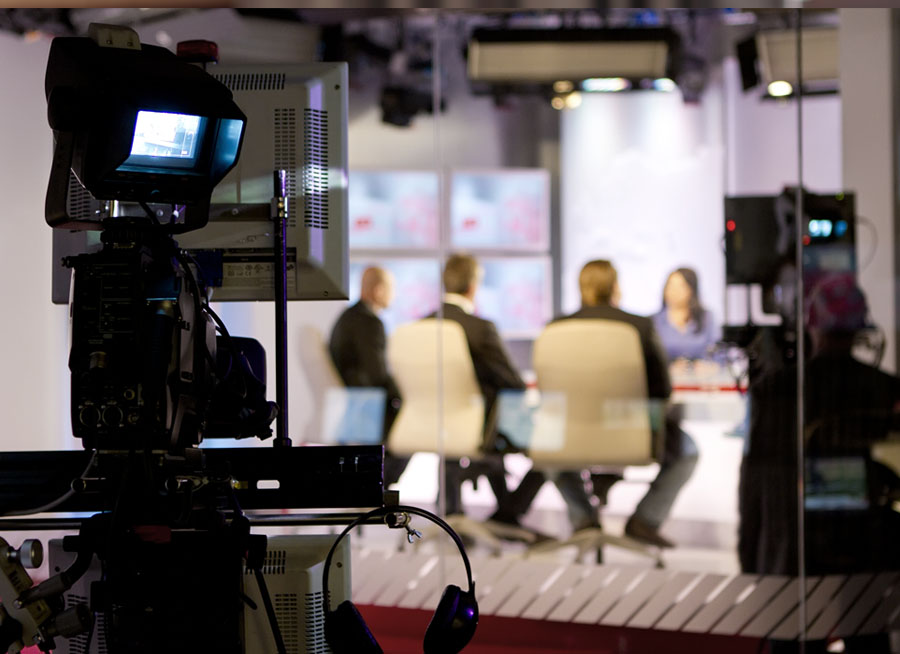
{"type": "Point", "coordinates": [358, 344]}
{"type": "Point", "coordinates": [658, 384]}
{"type": "Point", "coordinates": [848, 406]}
{"type": "Point", "coordinates": [492, 365]}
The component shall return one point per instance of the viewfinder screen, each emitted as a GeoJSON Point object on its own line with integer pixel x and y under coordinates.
{"type": "Point", "coordinates": [166, 135]}
{"type": "Point", "coordinates": [164, 141]}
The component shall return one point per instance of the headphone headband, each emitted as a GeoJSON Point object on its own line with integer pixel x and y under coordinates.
{"type": "Point", "coordinates": [384, 511]}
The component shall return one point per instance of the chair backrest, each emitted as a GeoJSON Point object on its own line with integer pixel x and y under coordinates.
{"type": "Point", "coordinates": [323, 381]}
{"type": "Point", "coordinates": [594, 408]}
{"type": "Point", "coordinates": [414, 351]}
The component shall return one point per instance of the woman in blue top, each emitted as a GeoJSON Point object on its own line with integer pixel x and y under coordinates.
{"type": "Point", "coordinates": [686, 329]}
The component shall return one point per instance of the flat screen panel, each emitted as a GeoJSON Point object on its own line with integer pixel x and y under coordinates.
{"type": "Point", "coordinates": [393, 209]}
{"type": "Point", "coordinates": [296, 123]}
{"type": "Point", "coordinates": [500, 209]}
{"type": "Point", "coordinates": [516, 294]}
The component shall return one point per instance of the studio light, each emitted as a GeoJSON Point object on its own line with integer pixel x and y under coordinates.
{"type": "Point", "coordinates": [780, 89]}
{"type": "Point", "coordinates": [605, 84]}
{"type": "Point", "coordinates": [664, 84]}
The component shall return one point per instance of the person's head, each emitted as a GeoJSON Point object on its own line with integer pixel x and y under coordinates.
{"type": "Point", "coordinates": [599, 284]}
{"type": "Point", "coordinates": [377, 288]}
{"type": "Point", "coordinates": [462, 275]}
{"type": "Point", "coordinates": [835, 310]}
{"type": "Point", "coordinates": [682, 291]}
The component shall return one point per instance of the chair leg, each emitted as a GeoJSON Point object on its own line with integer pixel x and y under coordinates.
{"type": "Point", "coordinates": [466, 526]}
{"type": "Point", "coordinates": [592, 539]}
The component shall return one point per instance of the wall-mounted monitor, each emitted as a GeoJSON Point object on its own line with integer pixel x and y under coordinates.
{"type": "Point", "coordinates": [516, 294]}
{"type": "Point", "coordinates": [394, 209]}
{"type": "Point", "coordinates": [500, 209]}
{"type": "Point", "coordinates": [296, 122]}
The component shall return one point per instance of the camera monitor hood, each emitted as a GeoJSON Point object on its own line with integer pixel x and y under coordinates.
{"type": "Point", "coordinates": [133, 122]}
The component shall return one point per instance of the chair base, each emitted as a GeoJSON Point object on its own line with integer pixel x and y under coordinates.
{"type": "Point", "coordinates": [489, 533]}
{"type": "Point", "coordinates": [593, 538]}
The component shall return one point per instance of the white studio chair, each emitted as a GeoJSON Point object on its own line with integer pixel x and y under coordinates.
{"type": "Point", "coordinates": [594, 412]}
{"type": "Point", "coordinates": [338, 415]}
{"type": "Point", "coordinates": [441, 413]}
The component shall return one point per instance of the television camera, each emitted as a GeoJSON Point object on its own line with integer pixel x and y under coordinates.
{"type": "Point", "coordinates": [149, 135]}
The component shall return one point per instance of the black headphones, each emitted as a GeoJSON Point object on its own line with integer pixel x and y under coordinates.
{"type": "Point", "coordinates": [452, 625]}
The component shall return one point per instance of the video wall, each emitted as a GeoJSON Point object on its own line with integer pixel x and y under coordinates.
{"type": "Point", "coordinates": [501, 216]}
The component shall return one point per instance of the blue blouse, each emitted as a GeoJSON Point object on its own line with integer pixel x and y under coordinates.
{"type": "Point", "coordinates": [689, 344]}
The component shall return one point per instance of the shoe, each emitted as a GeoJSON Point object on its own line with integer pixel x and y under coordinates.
{"type": "Point", "coordinates": [643, 532]}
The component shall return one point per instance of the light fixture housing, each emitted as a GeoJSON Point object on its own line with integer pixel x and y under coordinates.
{"type": "Point", "coordinates": [546, 56]}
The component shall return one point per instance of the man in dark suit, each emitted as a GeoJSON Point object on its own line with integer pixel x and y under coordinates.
{"type": "Point", "coordinates": [358, 345]}
{"type": "Point", "coordinates": [599, 299]}
{"type": "Point", "coordinates": [493, 369]}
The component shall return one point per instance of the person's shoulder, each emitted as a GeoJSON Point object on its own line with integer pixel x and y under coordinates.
{"type": "Point", "coordinates": [643, 323]}
{"type": "Point", "coordinates": [358, 314]}
{"type": "Point", "coordinates": [483, 324]}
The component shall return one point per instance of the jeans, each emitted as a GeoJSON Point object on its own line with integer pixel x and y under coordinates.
{"type": "Point", "coordinates": [677, 463]}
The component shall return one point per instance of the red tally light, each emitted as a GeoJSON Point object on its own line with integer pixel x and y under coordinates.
{"type": "Point", "coordinates": [731, 225]}
{"type": "Point", "coordinates": [198, 51]}
{"type": "Point", "coordinates": [807, 240]}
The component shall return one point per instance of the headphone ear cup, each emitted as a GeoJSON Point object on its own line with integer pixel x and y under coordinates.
{"type": "Point", "coordinates": [453, 623]}
{"type": "Point", "coordinates": [347, 633]}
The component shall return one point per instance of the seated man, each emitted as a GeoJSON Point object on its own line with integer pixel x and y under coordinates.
{"type": "Point", "coordinates": [493, 368]}
{"type": "Point", "coordinates": [599, 299]}
{"type": "Point", "coordinates": [358, 346]}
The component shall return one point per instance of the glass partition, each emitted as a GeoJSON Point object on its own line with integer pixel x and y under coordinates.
{"type": "Point", "coordinates": [621, 308]}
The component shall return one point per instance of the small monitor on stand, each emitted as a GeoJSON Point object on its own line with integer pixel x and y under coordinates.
{"type": "Point", "coordinates": [297, 123]}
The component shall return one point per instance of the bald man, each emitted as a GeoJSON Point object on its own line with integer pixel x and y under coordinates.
{"type": "Point", "coordinates": [358, 346]}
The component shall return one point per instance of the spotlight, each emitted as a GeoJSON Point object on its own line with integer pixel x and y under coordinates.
{"type": "Point", "coordinates": [558, 103]}
{"type": "Point", "coordinates": [563, 86]}
{"type": "Point", "coordinates": [605, 84]}
{"type": "Point", "coordinates": [664, 84]}
{"type": "Point", "coordinates": [780, 89]}
{"type": "Point", "coordinates": [573, 100]}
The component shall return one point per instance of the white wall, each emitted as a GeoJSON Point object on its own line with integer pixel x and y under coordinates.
{"type": "Point", "coordinates": [761, 137]}
{"type": "Point", "coordinates": [33, 332]}
{"type": "Point", "coordinates": [642, 185]}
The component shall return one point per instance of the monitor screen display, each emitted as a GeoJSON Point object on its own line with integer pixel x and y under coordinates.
{"type": "Point", "coordinates": [516, 294]}
{"type": "Point", "coordinates": [393, 209]}
{"type": "Point", "coordinates": [500, 210]}
{"type": "Point", "coordinates": [164, 140]}
{"type": "Point", "coordinates": [417, 287]}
